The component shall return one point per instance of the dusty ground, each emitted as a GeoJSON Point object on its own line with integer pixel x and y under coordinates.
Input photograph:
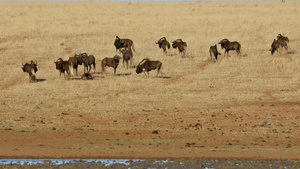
{"type": "Point", "coordinates": [237, 107]}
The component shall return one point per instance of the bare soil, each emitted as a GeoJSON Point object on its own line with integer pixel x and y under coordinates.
{"type": "Point", "coordinates": [240, 107]}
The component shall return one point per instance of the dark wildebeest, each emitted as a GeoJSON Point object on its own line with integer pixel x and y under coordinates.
{"type": "Point", "coordinates": [31, 69]}
{"type": "Point", "coordinates": [213, 51]}
{"type": "Point", "coordinates": [64, 67]}
{"type": "Point", "coordinates": [87, 61]}
{"type": "Point", "coordinates": [227, 45]}
{"type": "Point", "coordinates": [87, 76]}
{"type": "Point", "coordinates": [283, 41]}
{"type": "Point", "coordinates": [275, 47]}
{"type": "Point", "coordinates": [123, 43]}
{"type": "Point", "coordinates": [75, 62]}
{"type": "Point", "coordinates": [127, 55]}
{"type": "Point", "coordinates": [146, 65]}
{"type": "Point", "coordinates": [182, 46]}
{"type": "Point", "coordinates": [164, 44]}
{"type": "Point", "coordinates": [110, 62]}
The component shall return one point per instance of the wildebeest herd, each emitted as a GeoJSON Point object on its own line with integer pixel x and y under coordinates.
{"type": "Point", "coordinates": [126, 46]}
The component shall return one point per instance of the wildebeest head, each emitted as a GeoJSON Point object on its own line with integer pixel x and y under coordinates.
{"type": "Point", "coordinates": [160, 41]}
{"type": "Point", "coordinates": [31, 69]}
{"type": "Point", "coordinates": [117, 58]}
{"type": "Point", "coordinates": [175, 43]}
{"type": "Point", "coordinates": [58, 63]}
{"type": "Point", "coordinates": [30, 64]}
{"type": "Point", "coordinates": [118, 44]}
{"type": "Point", "coordinates": [139, 68]}
{"type": "Point", "coordinates": [223, 42]}
{"type": "Point", "coordinates": [81, 57]}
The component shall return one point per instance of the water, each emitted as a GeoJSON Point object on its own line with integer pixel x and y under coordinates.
{"type": "Point", "coordinates": [150, 163]}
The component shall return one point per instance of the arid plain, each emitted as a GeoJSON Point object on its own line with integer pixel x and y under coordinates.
{"type": "Point", "coordinates": [238, 107]}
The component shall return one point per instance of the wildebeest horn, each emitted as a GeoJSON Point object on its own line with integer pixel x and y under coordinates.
{"type": "Point", "coordinates": [23, 64]}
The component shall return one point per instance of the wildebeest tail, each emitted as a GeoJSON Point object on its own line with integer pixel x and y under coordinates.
{"type": "Point", "coordinates": [71, 68]}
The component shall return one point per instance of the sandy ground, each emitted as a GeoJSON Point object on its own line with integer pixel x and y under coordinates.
{"type": "Point", "coordinates": [238, 107]}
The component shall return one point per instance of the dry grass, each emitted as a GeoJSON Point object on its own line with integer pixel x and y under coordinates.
{"type": "Point", "coordinates": [45, 31]}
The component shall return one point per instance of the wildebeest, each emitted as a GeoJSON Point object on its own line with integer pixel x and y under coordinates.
{"type": "Point", "coordinates": [110, 62]}
{"type": "Point", "coordinates": [146, 65]}
{"type": "Point", "coordinates": [31, 69]}
{"type": "Point", "coordinates": [87, 76]}
{"type": "Point", "coordinates": [127, 55]}
{"type": "Point", "coordinates": [182, 46]}
{"type": "Point", "coordinates": [213, 51]}
{"type": "Point", "coordinates": [164, 44]}
{"type": "Point", "coordinates": [65, 67]}
{"type": "Point", "coordinates": [275, 46]}
{"type": "Point", "coordinates": [75, 62]}
{"type": "Point", "coordinates": [87, 61]}
{"type": "Point", "coordinates": [283, 41]}
{"type": "Point", "coordinates": [227, 45]}
{"type": "Point", "coordinates": [123, 43]}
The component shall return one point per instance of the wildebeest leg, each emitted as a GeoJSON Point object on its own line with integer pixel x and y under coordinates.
{"type": "Point", "coordinates": [90, 68]}
{"type": "Point", "coordinates": [123, 63]}
{"type": "Point", "coordinates": [145, 73]}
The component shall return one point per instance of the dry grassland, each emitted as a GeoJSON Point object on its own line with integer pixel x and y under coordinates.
{"type": "Point", "coordinates": [237, 107]}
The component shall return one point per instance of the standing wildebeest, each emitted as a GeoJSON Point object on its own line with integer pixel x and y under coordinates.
{"type": "Point", "coordinates": [180, 45]}
{"type": "Point", "coordinates": [164, 44]}
{"type": "Point", "coordinates": [64, 67]}
{"type": "Point", "coordinates": [275, 47]}
{"type": "Point", "coordinates": [283, 41]}
{"type": "Point", "coordinates": [213, 51]}
{"type": "Point", "coordinates": [123, 43]}
{"type": "Point", "coordinates": [146, 65]}
{"type": "Point", "coordinates": [31, 69]}
{"type": "Point", "coordinates": [87, 61]}
{"type": "Point", "coordinates": [227, 45]}
{"type": "Point", "coordinates": [75, 62]}
{"type": "Point", "coordinates": [127, 55]}
{"type": "Point", "coordinates": [110, 62]}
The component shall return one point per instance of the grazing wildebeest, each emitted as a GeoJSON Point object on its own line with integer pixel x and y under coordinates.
{"type": "Point", "coordinates": [87, 61]}
{"type": "Point", "coordinates": [31, 69]}
{"type": "Point", "coordinates": [123, 43]}
{"type": "Point", "coordinates": [164, 44]}
{"type": "Point", "coordinates": [127, 55]}
{"type": "Point", "coordinates": [75, 62]}
{"type": "Point", "coordinates": [227, 45]}
{"type": "Point", "coordinates": [110, 62]}
{"type": "Point", "coordinates": [146, 65]}
{"type": "Point", "coordinates": [283, 41]}
{"type": "Point", "coordinates": [65, 67]}
{"type": "Point", "coordinates": [213, 51]}
{"type": "Point", "coordinates": [182, 46]}
{"type": "Point", "coordinates": [275, 46]}
{"type": "Point", "coordinates": [87, 76]}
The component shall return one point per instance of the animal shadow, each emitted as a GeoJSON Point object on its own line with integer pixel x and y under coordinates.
{"type": "Point", "coordinates": [40, 80]}
{"type": "Point", "coordinates": [164, 77]}
{"type": "Point", "coordinates": [123, 74]}
{"type": "Point", "coordinates": [292, 52]}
